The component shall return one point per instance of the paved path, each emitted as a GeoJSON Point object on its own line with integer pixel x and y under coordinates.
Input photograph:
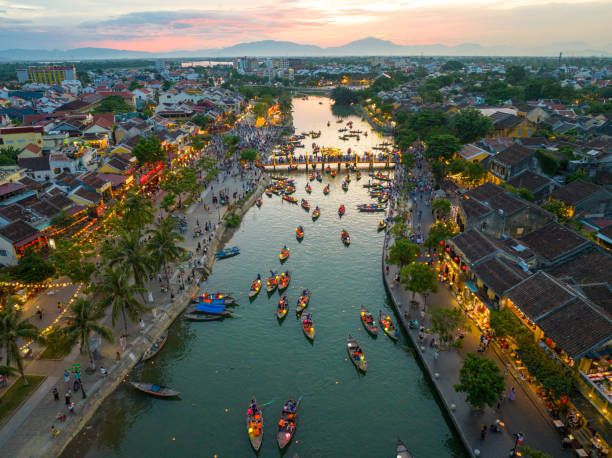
{"type": "Point", "coordinates": [521, 415]}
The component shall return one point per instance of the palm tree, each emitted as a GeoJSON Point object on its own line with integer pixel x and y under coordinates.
{"type": "Point", "coordinates": [12, 329]}
{"type": "Point", "coordinates": [163, 245]}
{"type": "Point", "coordinates": [119, 293]}
{"type": "Point", "coordinates": [129, 251]}
{"type": "Point", "coordinates": [82, 322]}
{"type": "Point", "coordinates": [137, 211]}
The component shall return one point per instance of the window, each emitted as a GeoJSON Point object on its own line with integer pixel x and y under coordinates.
{"type": "Point", "coordinates": [529, 133]}
{"type": "Point", "coordinates": [520, 132]}
{"type": "Point", "coordinates": [519, 231]}
{"type": "Point", "coordinates": [3, 253]}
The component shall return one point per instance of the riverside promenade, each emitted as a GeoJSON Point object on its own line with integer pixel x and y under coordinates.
{"type": "Point", "coordinates": [27, 432]}
{"type": "Point", "coordinates": [525, 414]}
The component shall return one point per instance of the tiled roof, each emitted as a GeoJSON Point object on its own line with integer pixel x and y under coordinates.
{"type": "Point", "coordinates": [506, 202]}
{"type": "Point", "coordinates": [600, 295]}
{"type": "Point", "coordinates": [538, 295]}
{"type": "Point", "coordinates": [529, 180]}
{"type": "Point", "coordinates": [575, 192]}
{"type": "Point", "coordinates": [12, 213]}
{"type": "Point", "coordinates": [485, 191]}
{"type": "Point", "coordinates": [45, 208]}
{"type": "Point", "coordinates": [8, 188]}
{"type": "Point", "coordinates": [473, 209]}
{"type": "Point", "coordinates": [553, 241]}
{"type": "Point", "coordinates": [33, 148]}
{"type": "Point", "coordinates": [512, 247]}
{"type": "Point", "coordinates": [474, 245]}
{"type": "Point", "coordinates": [86, 194]}
{"type": "Point", "coordinates": [18, 231]}
{"type": "Point", "coordinates": [592, 266]}
{"type": "Point", "coordinates": [514, 154]}
{"type": "Point", "coordinates": [35, 164]}
{"type": "Point", "coordinates": [507, 121]}
{"type": "Point", "coordinates": [60, 201]}
{"type": "Point", "coordinates": [498, 275]}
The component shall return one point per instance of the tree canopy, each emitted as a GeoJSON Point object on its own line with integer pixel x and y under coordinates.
{"type": "Point", "coordinates": [470, 124]}
{"type": "Point", "coordinates": [149, 150]}
{"type": "Point", "coordinates": [419, 278]}
{"type": "Point", "coordinates": [403, 252]}
{"type": "Point", "coordinates": [343, 96]}
{"type": "Point", "coordinates": [442, 147]}
{"type": "Point", "coordinates": [113, 104]}
{"type": "Point", "coordinates": [481, 380]}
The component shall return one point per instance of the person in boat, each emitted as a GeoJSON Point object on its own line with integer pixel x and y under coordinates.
{"type": "Point", "coordinates": [284, 247]}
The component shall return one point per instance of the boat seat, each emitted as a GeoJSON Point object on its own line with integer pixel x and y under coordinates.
{"type": "Point", "coordinates": [155, 388]}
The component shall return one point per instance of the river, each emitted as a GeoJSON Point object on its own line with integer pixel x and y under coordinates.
{"type": "Point", "coordinates": [218, 366]}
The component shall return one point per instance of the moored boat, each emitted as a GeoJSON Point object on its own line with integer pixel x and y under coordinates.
{"type": "Point", "coordinates": [255, 287]}
{"type": "Point", "coordinates": [308, 188]}
{"type": "Point", "coordinates": [228, 252]}
{"type": "Point", "coordinates": [372, 207]}
{"type": "Point", "coordinates": [283, 281]}
{"type": "Point", "coordinates": [326, 189]}
{"type": "Point", "coordinates": [328, 169]}
{"type": "Point", "coordinates": [345, 186]}
{"type": "Point", "coordinates": [346, 238]}
{"type": "Point", "coordinates": [382, 225]}
{"type": "Point", "coordinates": [368, 322]}
{"type": "Point", "coordinates": [284, 254]}
{"type": "Point", "coordinates": [387, 325]}
{"type": "Point", "coordinates": [308, 326]}
{"type": "Point", "coordinates": [302, 301]}
{"type": "Point", "coordinates": [272, 282]}
{"type": "Point", "coordinates": [155, 390]}
{"type": "Point", "coordinates": [156, 347]}
{"type": "Point", "coordinates": [299, 232]}
{"type": "Point", "coordinates": [316, 213]}
{"type": "Point", "coordinates": [319, 177]}
{"type": "Point", "coordinates": [259, 202]}
{"type": "Point", "coordinates": [356, 353]}
{"type": "Point", "coordinates": [311, 177]}
{"type": "Point", "coordinates": [290, 199]}
{"type": "Point", "coordinates": [358, 176]}
{"type": "Point", "coordinates": [333, 173]}
{"type": "Point", "coordinates": [305, 205]}
{"type": "Point", "coordinates": [341, 210]}
{"type": "Point", "coordinates": [283, 307]}
{"type": "Point", "coordinates": [204, 316]}
{"type": "Point", "coordinates": [402, 451]}
{"type": "Point", "coordinates": [254, 424]}
{"type": "Point", "coordinates": [286, 424]}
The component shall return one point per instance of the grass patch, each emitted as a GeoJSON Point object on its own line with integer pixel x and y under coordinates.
{"type": "Point", "coordinates": [16, 394]}
{"type": "Point", "coordinates": [52, 352]}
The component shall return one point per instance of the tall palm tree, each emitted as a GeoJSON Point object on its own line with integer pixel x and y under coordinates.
{"type": "Point", "coordinates": [163, 245]}
{"type": "Point", "coordinates": [129, 251]}
{"type": "Point", "coordinates": [137, 211]}
{"type": "Point", "coordinates": [82, 322]}
{"type": "Point", "coordinates": [12, 329]}
{"type": "Point", "coordinates": [119, 293]}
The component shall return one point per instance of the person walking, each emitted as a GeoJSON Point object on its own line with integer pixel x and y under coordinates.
{"type": "Point", "coordinates": [68, 396]}
{"type": "Point", "coordinates": [55, 393]}
{"type": "Point", "coordinates": [67, 377]}
{"type": "Point", "coordinates": [123, 341]}
{"type": "Point", "coordinates": [512, 394]}
{"type": "Point", "coordinates": [483, 432]}
{"type": "Point", "coordinates": [141, 325]}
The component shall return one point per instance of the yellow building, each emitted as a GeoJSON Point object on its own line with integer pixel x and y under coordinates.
{"type": "Point", "coordinates": [51, 74]}
{"type": "Point", "coordinates": [20, 137]}
{"type": "Point", "coordinates": [509, 125]}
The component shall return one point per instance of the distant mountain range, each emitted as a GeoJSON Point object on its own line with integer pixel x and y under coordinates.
{"type": "Point", "coordinates": [269, 48]}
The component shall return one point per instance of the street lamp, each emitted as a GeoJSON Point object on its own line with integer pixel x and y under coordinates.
{"type": "Point", "coordinates": [518, 440]}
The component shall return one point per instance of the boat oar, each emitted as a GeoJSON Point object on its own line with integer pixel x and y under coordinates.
{"type": "Point", "coordinates": [267, 403]}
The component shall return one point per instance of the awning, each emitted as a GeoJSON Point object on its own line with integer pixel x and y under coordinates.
{"type": "Point", "coordinates": [471, 286]}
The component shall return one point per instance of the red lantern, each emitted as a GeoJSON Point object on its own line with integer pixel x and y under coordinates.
{"type": "Point", "coordinates": [448, 249]}
{"type": "Point", "coordinates": [441, 243]}
{"type": "Point", "coordinates": [463, 268]}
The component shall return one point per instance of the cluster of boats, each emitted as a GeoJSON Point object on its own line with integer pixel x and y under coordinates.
{"type": "Point", "coordinates": [286, 424]}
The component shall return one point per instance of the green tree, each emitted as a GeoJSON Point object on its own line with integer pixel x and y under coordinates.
{"type": "Point", "coordinates": [135, 85]}
{"type": "Point", "coordinates": [260, 109]}
{"type": "Point", "coordinates": [418, 278]}
{"type": "Point", "coordinates": [578, 175]}
{"type": "Point", "coordinates": [441, 207]}
{"type": "Point", "coordinates": [129, 251]}
{"type": "Point", "coordinates": [457, 165]}
{"type": "Point", "coordinates": [284, 104]}
{"type": "Point", "coordinates": [72, 260]}
{"type": "Point", "coordinates": [163, 246]}
{"type": "Point", "coordinates": [149, 150]}
{"type": "Point", "coordinates": [516, 74]}
{"type": "Point", "coordinates": [398, 230]}
{"type": "Point", "coordinates": [201, 121]}
{"type": "Point", "coordinates": [81, 323]}
{"type": "Point", "coordinates": [8, 155]}
{"type": "Point", "coordinates": [168, 202]}
{"type": "Point", "coordinates": [439, 232]}
{"type": "Point", "coordinates": [438, 170]}
{"type": "Point", "coordinates": [403, 252]}
{"type": "Point", "coordinates": [343, 96]}
{"type": "Point", "coordinates": [481, 379]}
{"type": "Point", "coordinates": [452, 66]}
{"type": "Point", "coordinates": [249, 154]}
{"type": "Point", "coordinates": [62, 219]}
{"type": "Point", "coordinates": [548, 162]}
{"type": "Point", "coordinates": [445, 322]}
{"type": "Point", "coordinates": [442, 147]}
{"type": "Point", "coordinates": [32, 268]}
{"type": "Point", "coordinates": [470, 124]}
{"type": "Point", "coordinates": [137, 211]}
{"type": "Point", "coordinates": [558, 208]}
{"type": "Point", "coordinates": [13, 330]}
{"type": "Point", "coordinates": [166, 85]}
{"type": "Point", "coordinates": [113, 104]}
{"type": "Point", "coordinates": [197, 142]}
{"type": "Point", "coordinates": [473, 173]}
{"type": "Point", "coordinates": [119, 293]}
{"type": "Point", "coordinates": [526, 194]}
{"type": "Point", "coordinates": [532, 453]}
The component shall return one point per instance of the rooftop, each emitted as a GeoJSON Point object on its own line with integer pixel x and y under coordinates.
{"type": "Point", "coordinates": [18, 231]}
{"type": "Point", "coordinates": [514, 154]}
{"type": "Point", "coordinates": [529, 180]}
{"type": "Point", "coordinates": [592, 266]}
{"type": "Point", "coordinates": [552, 241]}
{"type": "Point", "coordinates": [575, 192]}
{"type": "Point", "coordinates": [538, 295]}
{"type": "Point", "coordinates": [498, 274]}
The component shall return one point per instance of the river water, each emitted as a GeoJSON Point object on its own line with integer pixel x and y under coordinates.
{"type": "Point", "coordinates": [218, 366]}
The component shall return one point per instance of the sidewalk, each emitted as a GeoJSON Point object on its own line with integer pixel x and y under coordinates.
{"type": "Point", "coordinates": [521, 415]}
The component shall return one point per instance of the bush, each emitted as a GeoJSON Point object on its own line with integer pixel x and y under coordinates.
{"type": "Point", "coordinates": [232, 220]}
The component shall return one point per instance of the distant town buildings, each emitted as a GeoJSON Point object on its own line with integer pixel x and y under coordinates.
{"type": "Point", "coordinates": [51, 74]}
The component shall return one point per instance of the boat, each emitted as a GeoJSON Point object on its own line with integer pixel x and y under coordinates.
{"type": "Point", "coordinates": [316, 213]}
{"type": "Point", "coordinates": [299, 232]}
{"type": "Point", "coordinates": [269, 192]}
{"type": "Point", "coordinates": [339, 121]}
{"type": "Point", "coordinates": [308, 326]}
{"type": "Point", "coordinates": [402, 450]}
{"type": "Point", "coordinates": [328, 169]}
{"type": "Point", "coordinates": [345, 186]}
{"type": "Point", "coordinates": [254, 424]}
{"type": "Point", "coordinates": [204, 316]}
{"type": "Point", "coordinates": [210, 309]}
{"type": "Point", "coordinates": [255, 287]}
{"type": "Point", "coordinates": [283, 281]}
{"type": "Point", "coordinates": [372, 207]}
{"type": "Point", "coordinates": [333, 173]}
{"type": "Point", "coordinates": [290, 199]}
{"type": "Point", "coordinates": [356, 353]}
{"type": "Point", "coordinates": [305, 205]}
{"type": "Point", "coordinates": [155, 390]}
{"type": "Point", "coordinates": [358, 176]}
{"type": "Point", "coordinates": [311, 177]}
{"type": "Point", "coordinates": [382, 225]}
{"type": "Point", "coordinates": [156, 347]}
{"type": "Point", "coordinates": [302, 301]}
{"type": "Point", "coordinates": [272, 282]}
{"type": "Point", "coordinates": [387, 325]}
{"type": "Point", "coordinates": [279, 178]}
{"type": "Point", "coordinates": [228, 252]}
{"type": "Point", "coordinates": [368, 321]}
{"type": "Point", "coordinates": [214, 298]}
{"type": "Point", "coordinates": [346, 238]}
{"type": "Point", "coordinates": [347, 178]}
{"type": "Point", "coordinates": [319, 177]}
{"type": "Point", "coordinates": [341, 210]}
{"type": "Point", "coordinates": [283, 308]}
{"type": "Point", "coordinates": [259, 202]}
{"type": "Point", "coordinates": [286, 424]}
{"type": "Point", "coordinates": [284, 254]}
{"type": "Point", "coordinates": [308, 188]}
{"type": "Point", "coordinates": [326, 189]}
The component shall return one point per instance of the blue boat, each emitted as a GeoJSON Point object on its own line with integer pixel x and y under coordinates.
{"type": "Point", "coordinates": [211, 309]}
{"type": "Point", "coordinates": [228, 252]}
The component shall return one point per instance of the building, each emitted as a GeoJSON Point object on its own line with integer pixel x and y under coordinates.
{"type": "Point", "coordinates": [22, 136]}
{"type": "Point", "coordinates": [15, 238]}
{"type": "Point", "coordinates": [585, 198]}
{"type": "Point", "coordinates": [50, 74]}
{"type": "Point", "coordinates": [510, 162]}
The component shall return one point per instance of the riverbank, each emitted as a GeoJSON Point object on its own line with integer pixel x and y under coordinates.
{"type": "Point", "coordinates": [375, 126]}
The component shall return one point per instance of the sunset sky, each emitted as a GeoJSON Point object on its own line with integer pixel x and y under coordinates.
{"type": "Point", "coordinates": [154, 25]}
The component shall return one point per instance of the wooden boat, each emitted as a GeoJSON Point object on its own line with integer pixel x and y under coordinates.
{"type": "Point", "coordinates": [346, 238]}
{"type": "Point", "coordinates": [255, 287]}
{"type": "Point", "coordinates": [156, 347]}
{"type": "Point", "coordinates": [272, 282]}
{"type": "Point", "coordinates": [319, 177]}
{"type": "Point", "coordinates": [228, 252]}
{"type": "Point", "coordinates": [311, 177]}
{"type": "Point", "coordinates": [205, 316]}
{"type": "Point", "coordinates": [284, 254]}
{"type": "Point", "coordinates": [382, 225]}
{"type": "Point", "coordinates": [356, 353]}
{"type": "Point", "coordinates": [259, 202]}
{"type": "Point", "coordinates": [347, 178]}
{"type": "Point", "coordinates": [341, 210]}
{"type": "Point", "coordinates": [358, 176]}
{"type": "Point", "coordinates": [345, 186]}
{"type": "Point", "coordinates": [333, 173]}
{"type": "Point", "coordinates": [286, 424]}
{"type": "Point", "coordinates": [372, 207]}
{"type": "Point", "coordinates": [308, 188]}
{"type": "Point", "coordinates": [214, 298]}
{"type": "Point", "coordinates": [279, 178]}
{"type": "Point", "coordinates": [302, 301]}
{"type": "Point", "coordinates": [283, 308]}
{"type": "Point", "coordinates": [402, 450]}
{"type": "Point", "coordinates": [155, 390]}
{"type": "Point", "coordinates": [269, 192]}
{"type": "Point", "coordinates": [254, 424]}
{"type": "Point", "coordinates": [326, 189]}
{"type": "Point", "coordinates": [308, 326]}
{"type": "Point", "coordinates": [316, 213]}
{"type": "Point", "coordinates": [283, 281]}
{"type": "Point", "coordinates": [210, 309]}
{"type": "Point", "coordinates": [305, 205]}
{"type": "Point", "coordinates": [328, 169]}
{"type": "Point", "coordinates": [387, 325]}
{"type": "Point", "coordinates": [290, 199]}
{"type": "Point", "coordinates": [368, 321]}
{"type": "Point", "coordinates": [299, 232]}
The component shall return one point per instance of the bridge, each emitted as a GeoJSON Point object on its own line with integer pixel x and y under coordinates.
{"type": "Point", "coordinates": [386, 160]}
